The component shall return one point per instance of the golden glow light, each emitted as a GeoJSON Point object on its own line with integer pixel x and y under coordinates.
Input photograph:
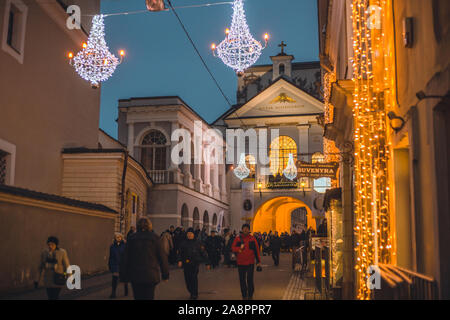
{"type": "Point", "coordinates": [372, 228]}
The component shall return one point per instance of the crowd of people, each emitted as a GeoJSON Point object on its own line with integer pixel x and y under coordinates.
{"type": "Point", "coordinates": [142, 258]}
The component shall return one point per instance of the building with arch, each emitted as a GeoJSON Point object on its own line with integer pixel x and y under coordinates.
{"type": "Point", "coordinates": [266, 198]}
{"type": "Point", "coordinates": [181, 191]}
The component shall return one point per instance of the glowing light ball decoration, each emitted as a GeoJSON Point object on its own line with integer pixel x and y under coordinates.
{"type": "Point", "coordinates": [95, 63]}
{"type": "Point", "coordinates": [239, 50]}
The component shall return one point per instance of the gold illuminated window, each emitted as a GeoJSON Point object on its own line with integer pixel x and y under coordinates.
{"type": "Point", "coordinates": [280, 148]}
{"type": "Point", "coordinates": [250, 163]}
{"type": "Point", "coordinates": [318, 158]}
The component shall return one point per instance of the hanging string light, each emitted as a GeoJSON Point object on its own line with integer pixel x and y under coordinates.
{"type": "Point", "coordinates": [239, 50]}
{"type": "Point", "coordinates": [241, 170]}
{"type": "Point", "coordinates": [95, 63]}
{"type": "Point", "coordinates": [372, 96]}
{"type": "Point", "coordinates": [291, 170]}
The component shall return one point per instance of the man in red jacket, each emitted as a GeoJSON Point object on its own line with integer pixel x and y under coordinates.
{"type": "Point", "coordinates": [247, 250]}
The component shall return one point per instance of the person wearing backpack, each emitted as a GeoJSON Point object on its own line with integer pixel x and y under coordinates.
{"type": "Point", "coordinates": [246, 249]}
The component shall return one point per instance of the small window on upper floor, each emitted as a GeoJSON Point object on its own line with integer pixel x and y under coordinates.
{"type": "Point", "coordinates": [282, 69]}
{"type": "Point", "coordinates": [14, 25]}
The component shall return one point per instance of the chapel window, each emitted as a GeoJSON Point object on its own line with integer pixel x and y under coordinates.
{"type": "Point", "coordinates": [280, 148]}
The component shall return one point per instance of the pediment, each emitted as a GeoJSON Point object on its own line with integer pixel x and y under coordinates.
{"type": "Point", "coordinates": [280, 99]}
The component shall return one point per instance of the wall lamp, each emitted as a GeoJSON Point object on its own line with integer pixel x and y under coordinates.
{"type": "Point", "coordinates": [422, 96]}
{"type": "Point", "coordinates": [303, 185]}
{"type": "Point", "coordinates": [260, 187]}
{"type": "Point", "coordinates": [397, 123]}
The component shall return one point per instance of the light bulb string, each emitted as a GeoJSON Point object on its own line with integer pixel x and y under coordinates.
{"type": "Point", "coordinates": [167, 9]}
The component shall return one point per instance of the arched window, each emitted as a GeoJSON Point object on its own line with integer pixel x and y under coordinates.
{"type": "Point", "coordinates": [282, 69]}
{"type": "Point", "coordinates": [318, 158]}
{"type": "Point", "coordinates": [184, 216]}
{"type": "Point", "coordinates": [154, 151]}
{"type": "Point", "coordinates": [280, 148]}
{"type": "Point", "coordinates": [206, 221]}
{"type": "Point", "coordinates": [196, 218]}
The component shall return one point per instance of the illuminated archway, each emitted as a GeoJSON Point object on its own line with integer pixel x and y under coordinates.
{"type": "Point", "coordinates": [275, 215]}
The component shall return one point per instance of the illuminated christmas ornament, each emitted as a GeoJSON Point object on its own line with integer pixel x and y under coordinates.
{"type": "Point", "coordinates": [242, 171]}
{"type": "Point", "coordinates": [291, 170]}
{"type": "Point", "coordinates": [239, 50]}
{"type": "Point", "coordinates": [95, 63]}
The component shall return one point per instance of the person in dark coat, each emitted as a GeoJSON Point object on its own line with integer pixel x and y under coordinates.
{"type": "Point", "coordinates": [275, 247]}
{"type": "Point", "coordinates": [143, 261]}
{"type": "Point", "coordinates": [191, 255]}
{"type": "Point", "coordinates": [115, 254]}
{"type": "Point", "coordinates": [214, 248]}
{"type": "Point", "coordinates": [131, 232]}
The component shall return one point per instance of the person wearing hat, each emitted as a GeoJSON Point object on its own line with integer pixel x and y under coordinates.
{"type": "Point", "coordinates": [246, 248]}
{"type": "Point", "coordinates": [52, 268]}
{"type": "Point", "coordinates": [191, 255]}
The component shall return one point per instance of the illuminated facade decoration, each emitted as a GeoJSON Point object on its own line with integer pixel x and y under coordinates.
{"type": "Point", "coordinates": [280, 149]}
{"type": "Point", "coordinates": [371, 100]}
{"type": "Point", "coordinates": [329, 146]}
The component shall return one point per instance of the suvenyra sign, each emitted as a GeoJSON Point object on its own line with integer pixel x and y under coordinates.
{"type": "Point", "coordinates": [317, 170]}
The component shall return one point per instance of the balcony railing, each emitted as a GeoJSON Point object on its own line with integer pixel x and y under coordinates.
{"type": "Point", "coordinates": [159, 176]}
{"type": "Point", "coordinates": [401, 284]}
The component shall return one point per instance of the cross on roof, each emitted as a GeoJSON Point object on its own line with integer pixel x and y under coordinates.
{"type": "Point", "coordinates": [282, 46]}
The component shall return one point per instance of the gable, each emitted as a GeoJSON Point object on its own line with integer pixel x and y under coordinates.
{"type": "Point", "coordinates": [280, 99]}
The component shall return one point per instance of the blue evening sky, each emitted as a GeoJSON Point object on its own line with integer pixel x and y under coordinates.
{"type": "Point", "coordinates": [160, 61]}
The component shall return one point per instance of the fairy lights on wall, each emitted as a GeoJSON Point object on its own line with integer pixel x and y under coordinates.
{"type": "Point", "coordinates": [372, 227]}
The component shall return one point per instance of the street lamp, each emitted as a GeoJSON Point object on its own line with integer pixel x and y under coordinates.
{"type": "Point", "coordinates": [303, 185]}
{"type": "Point", "coordinates": [397, 123]}
{"type": "Point", "coordinates": [259, 188]}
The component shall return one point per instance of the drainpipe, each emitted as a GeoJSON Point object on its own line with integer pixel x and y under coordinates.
{"type": "Point", "coordinates": [122, 192]}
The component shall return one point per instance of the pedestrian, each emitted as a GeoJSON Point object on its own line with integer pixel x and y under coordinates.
{"type": "Point", "coordinates": [295, 244]}
{"type": "Point", "coordinates": [52, 268]}
{"type": "Point", "coordinates": [213, 246]}
{"type": "Point", "coordinates": [246, 248]}
{"type": "Point", "coordinates": [192, 254]}
{"type": "Point", "coordinates": [275, 247]}
{"type": "Point", "coordinates": [115, 255]}
{"type": "Point", "coordinates": [131, 232]}
{"type": "Point", "coordinates": [167, 243]}
{"type": "Point", "coordinates": [143, 261]}
{"type": "Point", "coordinates": [227, 242]}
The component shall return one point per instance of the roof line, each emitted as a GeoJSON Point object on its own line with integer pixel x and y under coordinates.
{"type": "Point", "coordinates": [54, 198]}
{"type": "Point", "coordinates": [282, 77]}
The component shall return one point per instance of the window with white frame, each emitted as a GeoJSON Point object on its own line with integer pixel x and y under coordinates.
{"type": "Point", "coordinates": [7, 162]}
{"type": "Point", "coordinates": [14, 25]}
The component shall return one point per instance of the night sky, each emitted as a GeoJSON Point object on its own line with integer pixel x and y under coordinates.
{"type": "Point", "coordinates": [160, 61]}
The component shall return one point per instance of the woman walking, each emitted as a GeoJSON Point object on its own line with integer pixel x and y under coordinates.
{"type": "Point", "coordinates": [115, 254]}
{"type": "Point", "coordinates": [52, 267]}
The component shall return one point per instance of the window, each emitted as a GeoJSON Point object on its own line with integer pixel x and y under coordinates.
{"type": "Point", "coordinates": [7, 162]}
{"type": "Point", "coordinates": [154, 151]}
{"type": "Point", "coordinates": [250, 163]}
{"type": "Point", "coordinates": [282, 69]}
{"type": "Point", "coordinates": [14, 25]}
{"type": "Point", "coordinates": [318, 158]}
{"type": "Point", "coordinates": [3, 155]}
{"type": "Point", "coordinates": [322, 184]}
{"type": "Point", "coordinates": [280, 148]}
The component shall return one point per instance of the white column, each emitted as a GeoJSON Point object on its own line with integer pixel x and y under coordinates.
{"type": "Point", "coordinates": [215, 181]}
{"type": "Point", "coordinates": [223, 182]}
{"type": "Point", "coordinates": [130, 144]}
{"type": "Point", "coordinates": [303, 138]}
{"type": "Point", "coordinates": [173, 167]}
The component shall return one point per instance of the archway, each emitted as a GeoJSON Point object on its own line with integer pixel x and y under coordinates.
{"type": "Point", "coordinates": [214, 222]}
{"type": "Point", "coordinates": [184, 216]}
{"type": "Point", "coordinates": [206, 221]}
{"type": "Point", "coordinates": [275, 215]}
{"type": "Point", "coordinates": [196, 218]}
